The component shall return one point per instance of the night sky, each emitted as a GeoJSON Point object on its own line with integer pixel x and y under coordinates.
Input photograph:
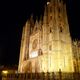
{"type": "Point", "coordinates": [13, 15]}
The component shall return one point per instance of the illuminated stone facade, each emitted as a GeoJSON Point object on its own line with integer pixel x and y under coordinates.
{"type": "Point", "coordinates": [46, 44]}
{"type": "Point", "coordinates": [76, 55]}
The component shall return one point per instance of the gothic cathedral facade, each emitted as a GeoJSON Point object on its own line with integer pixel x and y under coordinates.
{"type": "Point", "coordinates": [46, 45]}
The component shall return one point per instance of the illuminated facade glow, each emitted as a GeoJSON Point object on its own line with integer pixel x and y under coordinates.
{"type": "Point", "coordinates": [4, 72]}
{"type": "Point", "coordinates": [46, 45]}
{"type": "Point", "coordinates": [34, 54]}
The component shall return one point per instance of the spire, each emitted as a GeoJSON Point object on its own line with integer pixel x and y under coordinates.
{"type": "Point", "coordinates": [36, 26]}
{"type": "Point", "coordinates": [45, 14]}
{"type": "Point", "coordinates": [45, 11]}
{"type": "Point", "coordinates": [36, 23]}
{"type": "Point", "coordinates": [31, 19]}
{"type": "Point", "coordinates": [40, 22]}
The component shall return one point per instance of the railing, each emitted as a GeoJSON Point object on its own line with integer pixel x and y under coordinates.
{"type": "Point", "coordinates": [42, 76]}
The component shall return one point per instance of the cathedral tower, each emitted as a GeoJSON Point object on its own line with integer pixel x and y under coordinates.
{"type": "Point", "coordinates": [46, 44]}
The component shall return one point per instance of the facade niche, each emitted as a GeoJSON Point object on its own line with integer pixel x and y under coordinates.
{"type": "Point", "coordinates": [51, 9]}
{"type": "Point", "coordinates": [40, 52]}
{"type": "Point", "coordinates": [50, 47]}
{"type": "Point", "coordinates": [59, 9]}
{"type": "Point", "coordinates": [50, 17]}
{"type": "Point", "coordinates": [60, 28]}
{"type": "Point", "coordinates": [50, 30]}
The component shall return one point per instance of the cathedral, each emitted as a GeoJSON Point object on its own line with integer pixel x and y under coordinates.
{"type": "Point", "coordinates": [46, 45]}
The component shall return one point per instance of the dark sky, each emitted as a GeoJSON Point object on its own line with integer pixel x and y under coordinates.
{"type": "Point", "coordinates": [13, 15]}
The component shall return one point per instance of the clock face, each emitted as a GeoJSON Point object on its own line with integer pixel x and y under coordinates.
{"type": "Point", "coordinates": [34, 44]}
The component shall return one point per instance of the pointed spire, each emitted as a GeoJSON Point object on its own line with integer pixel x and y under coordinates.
{"type": "Point", "coordinates": [36, 26]}
{"type": "Point", "coordinates": [45, 10]}
{"type": "Point", "coordinates": [36, 23]}
{"type": "Point", "coordinates": [40, 23]}
{"type": "Point", "coordinates": [31, 23]}
{"type": "Point", "coordinates": [32, 20]}
{"type": "Point", "coordinates": [45, 14]}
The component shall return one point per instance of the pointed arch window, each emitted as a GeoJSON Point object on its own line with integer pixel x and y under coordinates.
{"type": "Point", "coordinates": [51, 9]}
{"type": "Point", "coordinates": [24, 56]}
{"type": "Point", "coordinates": [50, 30]}
{"type": "Point", "coordinates": [60, 29]}
{"type": "Point", "coordinates": [40, 52]}
{"type": "Point", "coordinates": [59, 9]}
{"type": "Point", "coordinates": [50, 47]}
{"type": "Point", "coordinates": [50, 17]}
{"type": "Point", "coordinates": [27, 55]}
